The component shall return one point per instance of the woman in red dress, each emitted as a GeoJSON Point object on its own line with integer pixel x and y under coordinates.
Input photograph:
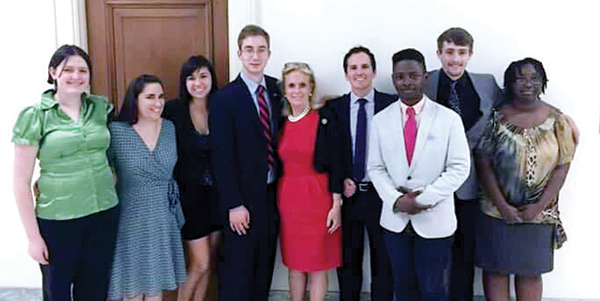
{"type": "Point", "coordinates": [309, 190]}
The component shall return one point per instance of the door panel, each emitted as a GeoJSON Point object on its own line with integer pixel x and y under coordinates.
{"type": "Point", "coordinates": [128, 38]}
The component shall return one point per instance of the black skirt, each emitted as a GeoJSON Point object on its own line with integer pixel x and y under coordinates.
{"type": "Point", "coordinates": [521, 249]}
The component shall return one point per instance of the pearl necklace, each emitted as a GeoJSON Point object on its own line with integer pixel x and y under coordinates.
{"type": "Point", "coordinates": [293, 118]}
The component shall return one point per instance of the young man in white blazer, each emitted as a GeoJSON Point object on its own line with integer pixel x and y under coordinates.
{"type": "Point", "coordinates": [418, 157]}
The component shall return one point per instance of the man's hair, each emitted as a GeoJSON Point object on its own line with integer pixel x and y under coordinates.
{"type": "Point", "coordinates": [250, 31]}
{"type": "Point", "coordinates": [455, 35]}
{"type": "Point", "coordinates": [409, 54]}
{"type": "Point", "coordinates": [359, 49]}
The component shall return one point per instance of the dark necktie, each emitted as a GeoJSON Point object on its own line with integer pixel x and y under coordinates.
{"type": "Point", "coordinates": [453, 99]}
{"type": "Point", "coordinates": [410, 134]}
{"type": "Point", "coordinates": [360, 141]}
{"type": "Point", "coordinates": [266, 123]}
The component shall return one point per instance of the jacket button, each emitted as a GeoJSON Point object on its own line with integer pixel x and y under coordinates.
{"type": "Point", "coordinates": [409, 178]}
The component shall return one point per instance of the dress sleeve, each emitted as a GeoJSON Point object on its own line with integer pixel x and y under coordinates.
{"type": "Point", "coordinates": [486, 143]}
{"type": "Point", "coordinates": [564, 136]}
{"type": "Point", "coordinates": [28, 128]}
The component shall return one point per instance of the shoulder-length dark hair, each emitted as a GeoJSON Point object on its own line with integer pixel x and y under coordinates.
{"type": "Point", "coordinates": [514, 70]}
{"type": "Point", "coordinates": [129, 110]}
{"type": "Point", "coordinates": [63, 53]}
{"type": "Point", "coordinates": [190, 66]}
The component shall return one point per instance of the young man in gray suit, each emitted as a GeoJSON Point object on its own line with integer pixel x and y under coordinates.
{"type": "Point", "coordinates": [472, 96]}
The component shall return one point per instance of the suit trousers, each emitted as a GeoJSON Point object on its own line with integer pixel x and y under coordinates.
{"type": "Point", "coordinates": [81, 252]}
{"type": "Point", "coordinates": [247, 262]}
{"type": "Point", "coordinates": [363, 210]}
{"type": "Point", "coordinates": [420, 266]}
{"type": "Point", "coordinates": [463, 250]}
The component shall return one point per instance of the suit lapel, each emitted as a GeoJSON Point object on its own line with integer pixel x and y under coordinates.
{"type": "Point", "coordinates": [432, 84]}
{"type": "Point", "coordinates": [478, 84]}
{"type": "Point", "coordinates": [379, 103]}
{"type": "Point", "coordinates": [345, 120]}
{"type": "Point", "coordinates": [425, 125]}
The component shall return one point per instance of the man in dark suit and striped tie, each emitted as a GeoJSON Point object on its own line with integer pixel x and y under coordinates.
{"type": "Point", "coordinates": [244, 117]}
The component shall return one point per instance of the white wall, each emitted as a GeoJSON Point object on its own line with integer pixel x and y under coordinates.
{"type": "Point", "coordinates": [562, 36]}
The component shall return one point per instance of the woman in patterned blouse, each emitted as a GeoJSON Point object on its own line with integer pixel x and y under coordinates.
{"type": "Point", "coordinates": [523, 158]}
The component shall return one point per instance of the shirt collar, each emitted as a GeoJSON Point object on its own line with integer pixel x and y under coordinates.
{"type": "Point", "coordinates": [252, 85]}
{"type": "Point", "coordinates": [49, 101]}
{"type": "Point", "coordinates": [461, 81]}
{"type": "Point", "coordinates": [370, 97]}
{"type": "Point", "coordinates": [418, 106]}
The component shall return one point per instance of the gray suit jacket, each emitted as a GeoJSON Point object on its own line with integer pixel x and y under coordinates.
{"type": "Point", "coordinates": [490, 95]}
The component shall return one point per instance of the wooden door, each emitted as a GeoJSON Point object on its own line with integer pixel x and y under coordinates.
{"type": "Point", "coordinates": [128, 38]}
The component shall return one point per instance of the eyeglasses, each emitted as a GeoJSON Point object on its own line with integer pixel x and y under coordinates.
{"type": "Point", "coordinates": [251, 51]}
{"type": "Point", "coordinates": [533, 81]}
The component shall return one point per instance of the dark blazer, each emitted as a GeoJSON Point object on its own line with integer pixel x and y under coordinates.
{"type": "Point", "coordinates": [340, 115]}
{"type": "Point", "coordinates": [490, 95]}
{"type": "Point", "coordinates": [239, 147]}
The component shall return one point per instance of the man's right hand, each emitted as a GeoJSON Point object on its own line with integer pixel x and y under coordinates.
{"type": "Point", "coordinates": [239, 220]}
{"type": "Point", "coordinates": [349, 187]}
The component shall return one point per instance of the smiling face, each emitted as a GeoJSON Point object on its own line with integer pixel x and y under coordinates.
{"type": "Point", "coordinates": [72, 75]}
{"type": "Point", "coordinates": [199, 83]}
{"type": "Point", "coordinates": [360, 73]}
{"type": "Point", "coordinates": [454, 59]}
{"type": "Point", "coordinates": [297, 89]}
{"type": "Point", "coordinates": [254, 53]}
{"type": "Point", "coordinates": [409, 78]}
{"type": "Point", "coordinates": [151, 102]}
{"type": "Point", "coordinates": [528, 84]}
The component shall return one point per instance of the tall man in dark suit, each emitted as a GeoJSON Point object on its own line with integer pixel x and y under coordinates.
{"type": "Point", "coordinates": [472, 96]}
{"type": "Point", "coordinates": [244, 117]}
{"type": "Point", "coordinates": [362, 206]}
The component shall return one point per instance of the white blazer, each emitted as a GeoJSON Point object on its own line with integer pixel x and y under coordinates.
{"type": "Point", "coordinates": [440, 164]}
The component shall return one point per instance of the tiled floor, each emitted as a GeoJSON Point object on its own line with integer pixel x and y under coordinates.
{"type": "Point", "coordinates": [21, 294]}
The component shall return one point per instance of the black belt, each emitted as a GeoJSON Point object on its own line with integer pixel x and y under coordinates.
{"type": "Point", "coordinates": [365, 186]}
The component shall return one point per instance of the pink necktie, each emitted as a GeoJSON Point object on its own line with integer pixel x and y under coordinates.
{"type": "Point", "coordinates": [410, 134]}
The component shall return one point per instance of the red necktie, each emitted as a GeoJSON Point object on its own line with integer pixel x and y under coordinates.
{"type": "Point", "coordinates": [410, 134]}
{"type": "Point", "coordinates": [266, 123]}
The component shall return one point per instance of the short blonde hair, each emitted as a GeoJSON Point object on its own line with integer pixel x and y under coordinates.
{"type": "Point", "coordinates": [304, 68]}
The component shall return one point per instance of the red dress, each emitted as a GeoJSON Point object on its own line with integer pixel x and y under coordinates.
{"type": "Point", "coordinates": [304, 201]}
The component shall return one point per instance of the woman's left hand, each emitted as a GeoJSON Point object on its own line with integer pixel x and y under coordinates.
{"type": "Point", "coordinates": [529, 212]}
{"type": "Point", "coordinates": [334, 219]}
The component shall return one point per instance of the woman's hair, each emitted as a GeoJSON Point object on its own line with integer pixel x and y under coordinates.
{"type": "Point", "coordinates": [190, 66]}
{"type": "Point", "coordinates": [129, 110]}
{"type": "Point", "coordinates": [64, 52]}
{"type": "Point", "coordinates": [514, 70]}
{"type": "Point", "coordinates": [304, 68]}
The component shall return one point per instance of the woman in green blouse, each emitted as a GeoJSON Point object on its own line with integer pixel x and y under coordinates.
{"type": "Point", "coordinates": [71, 226]}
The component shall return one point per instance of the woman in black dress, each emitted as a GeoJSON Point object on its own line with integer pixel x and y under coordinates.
{"type": "Point", "coordinates": [202, 231]}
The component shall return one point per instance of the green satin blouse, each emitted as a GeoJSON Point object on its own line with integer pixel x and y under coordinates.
{"type": "Point", "coordinates": [75, 177]}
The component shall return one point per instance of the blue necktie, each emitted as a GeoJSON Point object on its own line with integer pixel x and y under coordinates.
{"type": "Point", "coordinates": [360, 142]}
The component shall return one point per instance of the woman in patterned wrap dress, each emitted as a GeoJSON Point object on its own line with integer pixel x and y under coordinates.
{"type": "Point", "coordinates": [149, 253]}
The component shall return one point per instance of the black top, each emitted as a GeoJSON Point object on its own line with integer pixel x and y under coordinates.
{"type": "Point", "coordinates": [468, 98]}
{"type": "Point", "coordinates": [193, 148]}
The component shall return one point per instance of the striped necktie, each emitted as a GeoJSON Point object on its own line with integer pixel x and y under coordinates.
{"type": "Point", "coordinates": [266, 123]}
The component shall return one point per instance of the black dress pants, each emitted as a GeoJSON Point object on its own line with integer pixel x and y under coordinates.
{"type": "Point", "coordinates": [361, 211]}
{"type": "Point", "coordinates": [463, 250]}
{"type": "Point", "coordinates": [247, 262]}
{"type": "Point", "coordinates": [81, 253]}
